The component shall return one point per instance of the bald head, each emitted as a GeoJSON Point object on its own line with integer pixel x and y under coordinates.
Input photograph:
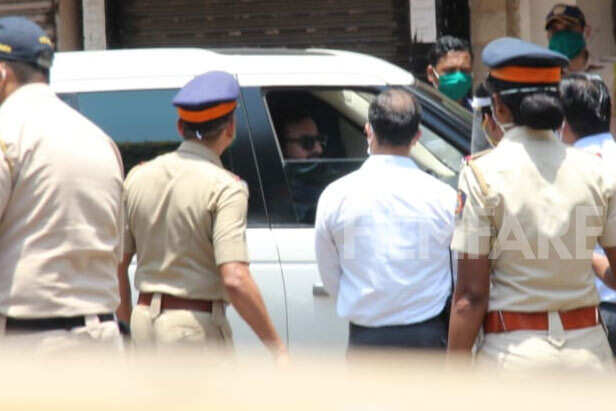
{"type": "Point", "coordinates": [394, 115]}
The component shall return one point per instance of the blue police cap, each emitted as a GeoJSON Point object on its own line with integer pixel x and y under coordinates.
{"type": "Point", "coordinates": [508, 51]}
{"type": "Point", "coordinates": [207, 97]}
{"type": "Point", "coordinates": [23, 40]}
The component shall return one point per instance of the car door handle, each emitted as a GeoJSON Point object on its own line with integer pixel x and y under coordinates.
{"type": "Point", "coordinates": [318, 290]}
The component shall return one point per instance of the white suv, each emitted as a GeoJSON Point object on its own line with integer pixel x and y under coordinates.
{"type": "Point", "coordinates": [128, 94]}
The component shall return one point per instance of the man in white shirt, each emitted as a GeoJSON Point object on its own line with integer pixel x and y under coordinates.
{"type": "Point", "coordinates": [587, 105]}
{"type": "Point", "coordinates": [383, 234]}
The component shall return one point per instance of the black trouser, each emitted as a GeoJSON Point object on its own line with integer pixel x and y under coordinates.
{"type": "Point", "coordinates": [428, 334]}
{"type": "Point", "coordinates": [608, 314]}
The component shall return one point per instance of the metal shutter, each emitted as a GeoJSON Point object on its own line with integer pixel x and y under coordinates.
{"type": "Point", "coordinates": [375, 27]}
{"type": "Point", "coordinates": [41, 12]}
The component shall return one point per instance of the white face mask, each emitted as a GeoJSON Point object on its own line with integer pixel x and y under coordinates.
{"type": "Point", "coordinates": [369, 141]}
{"type": "Point", "coordinates": [559, 131]}
{"type": "Point", "coordinates": [503, 126]}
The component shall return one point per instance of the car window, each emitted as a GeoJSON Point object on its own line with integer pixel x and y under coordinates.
{"type": "Point", "coordinates": [143, 125]}
{"type": "Point", "coordinates": [335, 117]}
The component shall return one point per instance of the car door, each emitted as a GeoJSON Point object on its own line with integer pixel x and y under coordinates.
{"type": "Point", "coordinates": [142, 123]}
{"type": "Point", "coordinates": [313, 323]}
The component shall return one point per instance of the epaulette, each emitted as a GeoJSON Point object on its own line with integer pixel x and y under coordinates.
{"type": "Point", "coordinates": [475, 156]}
{"type": "Point", "coordinates": [238, 179]}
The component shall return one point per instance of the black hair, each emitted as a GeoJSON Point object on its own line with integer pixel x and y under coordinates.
{"type": "Point", "coordinates": [538, 107]}
{"type": "Point", "coordinates": [283, 117]}
{"type": "Point", "coordinates": [394, 116]}
{"type": "Point", "coordinates": [446, 44]}
{"type": "Point", "coordinates": [587, 104]}
{"type": "Point", "coordinates": [209, 130]}
{"type": "Point", "coordinates": [27, 73]}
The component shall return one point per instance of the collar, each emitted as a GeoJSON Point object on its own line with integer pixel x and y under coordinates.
{"type": "Point", "coordinates": [200, 150]}
{"type": "Point", "coordinates": [593, 139]}
{"type": "Point", "coordinates": [389, 159]}
{"type": "Point", "coordinates": [522, 133]}
{"type": "Point", "coordinates": [28, 91]}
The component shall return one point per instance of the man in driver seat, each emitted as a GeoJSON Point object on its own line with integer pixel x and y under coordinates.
{"type": "Point", "coordinates": [300, 139]}
{"type": "Point", "coordinates": [299, 136]}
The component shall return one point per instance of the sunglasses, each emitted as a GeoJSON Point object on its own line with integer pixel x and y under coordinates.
{"type": "Point", "coordinates": [308, 142]}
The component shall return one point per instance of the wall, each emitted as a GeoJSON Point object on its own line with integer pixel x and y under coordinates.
{"type": "Point", "coordinates": [488, 21]}
{"type": "Point", "coordinates": [68, 25]}
{"type": "Point", "coordinates": [94, 25]}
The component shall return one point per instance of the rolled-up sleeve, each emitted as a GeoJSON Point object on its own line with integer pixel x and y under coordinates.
{"type": "Point", "coordinates": [229, 225]}
{"type": "Point", "coordinates": [325, 248]}
{"type": "Point", "coordinates": [473, 229]}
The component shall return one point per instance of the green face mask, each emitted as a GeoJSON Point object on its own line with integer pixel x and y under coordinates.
{"type": "Point", "coordinates": [455, 85]}
{"type": "Point", "coordinates": [569, 43]}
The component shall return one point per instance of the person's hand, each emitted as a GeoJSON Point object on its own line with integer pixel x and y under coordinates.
{"type": "Point", "coordinates": [281, 356]}
{"type": "Point", "coordinates": [282, 360]}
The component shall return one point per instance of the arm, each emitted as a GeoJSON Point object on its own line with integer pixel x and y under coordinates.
{"type": "Point", "coordinates": [127, 251]}
{"type": "Point", "coordinates": [125, 307]}
{"type": "Point", "coordinates": [246, 299]}
{"type": "Point", "coordinates": [470, 302]}
{"type": "Point", "coordinates": [601, 265]}
{"type": "Point", "coordinates": [326, 252]}
{"type": "Point", "coordinates": [5, 178]}
{"type": "Point", "coordinates": [231, 255]}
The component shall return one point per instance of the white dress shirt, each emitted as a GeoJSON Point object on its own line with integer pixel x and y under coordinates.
{"type": "Point", "coordinates": [601, 144]}
{"type": "Point", "coordinates": [382, 242]}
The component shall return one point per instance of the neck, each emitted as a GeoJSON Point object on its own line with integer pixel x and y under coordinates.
{"type": "Point", "coordinates": [392, 150]}
{"type": "Point", "coordinates": [9, 88]}
{"type": "Point", "coordinates": [217, 146]}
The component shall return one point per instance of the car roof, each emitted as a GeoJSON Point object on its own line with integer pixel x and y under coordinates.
{"type": "Point", "coordinates": [172, 67]}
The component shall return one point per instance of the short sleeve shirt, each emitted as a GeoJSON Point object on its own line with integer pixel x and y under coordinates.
{"type": "Point", "coordinates": [542, 209]}
{"type": "Point", "coordinates": [60, 209]}
{"type": "Point", "coordinates": [186, 215]}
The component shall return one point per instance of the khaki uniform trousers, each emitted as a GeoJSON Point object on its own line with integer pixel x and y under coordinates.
{"type": "Point", "coordinates": [94, 336]}
{"type": "Point", "coordinates": [585, 348]}
{"type": "Point", "coordinates": [153, 328]}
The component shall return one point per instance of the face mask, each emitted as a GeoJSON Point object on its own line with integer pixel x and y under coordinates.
{"type": "Point", "coordinates": [504, 126]}
{"type": "Point", "coordinates": [369, 141]}
{"type": "Point", "coordinates": [559, 131]}
{"type": "Point", "coordinates": [569, 43]}
{"type": "Point", "coordinates": [487, 135]}
{"type": "Point", "coordinates": [454, 85]}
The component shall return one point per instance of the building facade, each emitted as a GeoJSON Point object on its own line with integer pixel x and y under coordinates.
{"type": "Point", "coordinates": [381, 28]}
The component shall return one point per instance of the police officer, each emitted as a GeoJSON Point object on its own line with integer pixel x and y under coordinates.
{"type": "Point", "coordinates": [60, 207]}
{"type": "Point", "coordinates": [530, 212]}
{"type": "Point", "coordinates": [186, 220]}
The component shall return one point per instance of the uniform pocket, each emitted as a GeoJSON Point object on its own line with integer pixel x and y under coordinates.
{"type": "Point", "coordinates": [179, 326]}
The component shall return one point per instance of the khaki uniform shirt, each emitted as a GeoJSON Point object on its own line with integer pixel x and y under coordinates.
{"type": "Point", "coordinates": [186, 215]}
{"type": "Point", "coordinates": [60, 208]}
{"type": "Point", "coordinates": [546, 207]}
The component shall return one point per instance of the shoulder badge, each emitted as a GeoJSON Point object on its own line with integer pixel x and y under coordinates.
{"type": "Point", "coordinates": [238, 179]}
{"type": "Point", "coordinates": [460, 203]}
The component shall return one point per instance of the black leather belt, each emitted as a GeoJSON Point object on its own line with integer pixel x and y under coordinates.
{"type": "Point", "coordinates": [47, 324]}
